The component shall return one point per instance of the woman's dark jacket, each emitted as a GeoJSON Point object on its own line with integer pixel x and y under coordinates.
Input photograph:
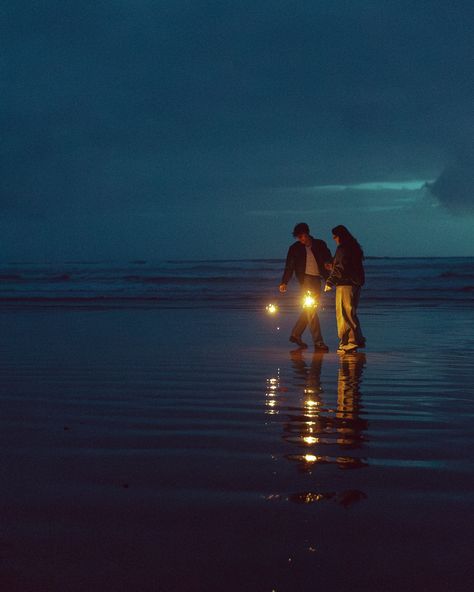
{"type": "Point", "coordinates": [296, 260]}
{"type": "Point", "coordinates": [348, 269]}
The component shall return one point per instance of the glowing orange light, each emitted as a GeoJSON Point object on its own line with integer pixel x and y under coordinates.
{"type": "Point", "coordinates": [309, 301]}
{"type": "Point", "coordinates": [271, 308]}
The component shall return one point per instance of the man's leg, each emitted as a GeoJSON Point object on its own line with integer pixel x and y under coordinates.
{"type": "Point", "coordinates": [315, 327]}
{"type": "Point", "coordinates": [305, 316]}
{"type": "Point", "coordinates": [302, 321]}
{"type": "Point", "coordinates": [314, 286]}
{"type": "Point", "coordinates": [300, 325]}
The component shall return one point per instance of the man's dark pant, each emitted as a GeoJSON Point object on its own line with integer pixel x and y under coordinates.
{"type": "Point", "coordinates": [309, 316]}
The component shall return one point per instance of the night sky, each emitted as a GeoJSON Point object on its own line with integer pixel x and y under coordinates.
{"type": "Point", "coordinates": [187, 129]}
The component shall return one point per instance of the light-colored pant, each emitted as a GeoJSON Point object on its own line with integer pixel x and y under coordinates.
{"type": "Point", "coordinates": [309, 316]}
{"type": "Point", "coordinates": [348, 325]}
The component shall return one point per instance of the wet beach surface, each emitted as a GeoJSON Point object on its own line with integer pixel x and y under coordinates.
{"type": "Point", "coordinates": [193, 450]}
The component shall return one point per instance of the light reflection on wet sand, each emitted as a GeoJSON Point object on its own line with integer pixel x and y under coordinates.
{"type": "Point", "coordinates": [317, 433]}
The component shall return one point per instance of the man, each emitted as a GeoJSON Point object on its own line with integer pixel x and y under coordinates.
{"type": "Point", "coordinates": [309, 259]}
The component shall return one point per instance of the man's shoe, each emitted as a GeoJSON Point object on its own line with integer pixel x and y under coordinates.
{"type": "Point", "coordinates": [321, 347]}
{"type": "Point", "coordinates": [298, 341]}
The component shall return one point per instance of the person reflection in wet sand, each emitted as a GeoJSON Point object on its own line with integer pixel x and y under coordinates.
{"type": "Point", "coordinates": [310, 375]}
{"type": "Point", "coordinates": [316, 427]}
{"type": "Point", "coordinates": [308, 423]}
{"type": "Point", "coordinates": [350, 426]}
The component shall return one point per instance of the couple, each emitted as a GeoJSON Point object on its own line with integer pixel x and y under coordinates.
{"type": "Point", "coordinates": [310, 260]}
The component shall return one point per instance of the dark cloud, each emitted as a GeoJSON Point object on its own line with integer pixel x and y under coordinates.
{"type": "Point", "coordinates": [112, 107]}
{"type": "Point", "coordinates": [455, 186]}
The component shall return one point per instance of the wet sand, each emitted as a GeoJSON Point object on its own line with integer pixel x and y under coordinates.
{"type": "Point", "coordinates": [192, 450]}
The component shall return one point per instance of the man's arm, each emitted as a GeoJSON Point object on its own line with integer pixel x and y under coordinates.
{"type": "Point", "coordinates": [326, 255]}
{"type": "Point", "coordinates": [289, 270]}
{"type": "Point", "coordinates": [337, 268]}
{"type": "Point", "coordinates": [323, 257]}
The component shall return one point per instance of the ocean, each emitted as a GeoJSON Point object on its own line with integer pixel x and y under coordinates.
{"type": "Point", "coordinates": [246, 284]}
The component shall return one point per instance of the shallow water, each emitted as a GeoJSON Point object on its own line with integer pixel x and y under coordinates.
{"type": "Point", "coordinates": [193, 450]}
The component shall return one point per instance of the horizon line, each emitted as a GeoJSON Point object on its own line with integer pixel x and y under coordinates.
{"type": "Point", "coordinates": [140, 261]}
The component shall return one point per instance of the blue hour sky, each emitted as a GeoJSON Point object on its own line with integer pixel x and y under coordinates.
{"type": "Point", "coordinates": [189, 129]}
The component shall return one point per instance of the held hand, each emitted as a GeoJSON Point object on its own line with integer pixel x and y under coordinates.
{"type": "Point", "coordinates": [282, 288]}
{"type": "Point", "coordinates": [327, 288]}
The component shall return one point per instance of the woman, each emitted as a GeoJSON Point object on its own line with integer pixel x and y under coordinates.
{"type": "Point", "coordinates": [348, 277]}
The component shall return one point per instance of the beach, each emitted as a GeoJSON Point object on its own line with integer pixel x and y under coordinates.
{"type": "Point", "coordinates": [168, 437]}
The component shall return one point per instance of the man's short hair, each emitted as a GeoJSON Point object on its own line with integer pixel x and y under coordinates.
{"type": "Point", "coordinates": [301, 228]}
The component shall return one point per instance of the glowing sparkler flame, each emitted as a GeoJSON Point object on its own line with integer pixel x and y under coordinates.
{"type": "Point", "coordinates": [309, 301]}
{"type": "Point", "coordinates": [271, 308]}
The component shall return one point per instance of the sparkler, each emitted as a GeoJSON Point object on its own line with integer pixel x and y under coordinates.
{"type": "Point", "coordinates": [309, 301]}
{"type": "Point", "coordinates": [271, 308]}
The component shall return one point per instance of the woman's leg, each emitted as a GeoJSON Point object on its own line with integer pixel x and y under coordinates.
{"type": "Point", "coordinates": [359, 337]}
{"type": "Point", "coordinates": [342, 326]}
{"type": "Point", "coordinates": [347, 320]}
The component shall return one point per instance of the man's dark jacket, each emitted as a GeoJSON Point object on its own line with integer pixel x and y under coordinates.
{"type": "Point", "coordinates": [348, 269]}
{"type": "Point", "coordinates": [296, 260]}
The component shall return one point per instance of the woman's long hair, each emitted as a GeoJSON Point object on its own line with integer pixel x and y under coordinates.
{"type": "Point", "coordinates": [347, 240]}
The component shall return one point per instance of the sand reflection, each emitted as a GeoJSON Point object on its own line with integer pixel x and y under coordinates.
{"type": "Point", "coordinates": [317, 429]}
{"type": "Point", "coordinates": [349, 426]}
{"type": "Point", "coordinates": [271, 394]}
{"type": "Point", "coordinates": [320, 433]}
